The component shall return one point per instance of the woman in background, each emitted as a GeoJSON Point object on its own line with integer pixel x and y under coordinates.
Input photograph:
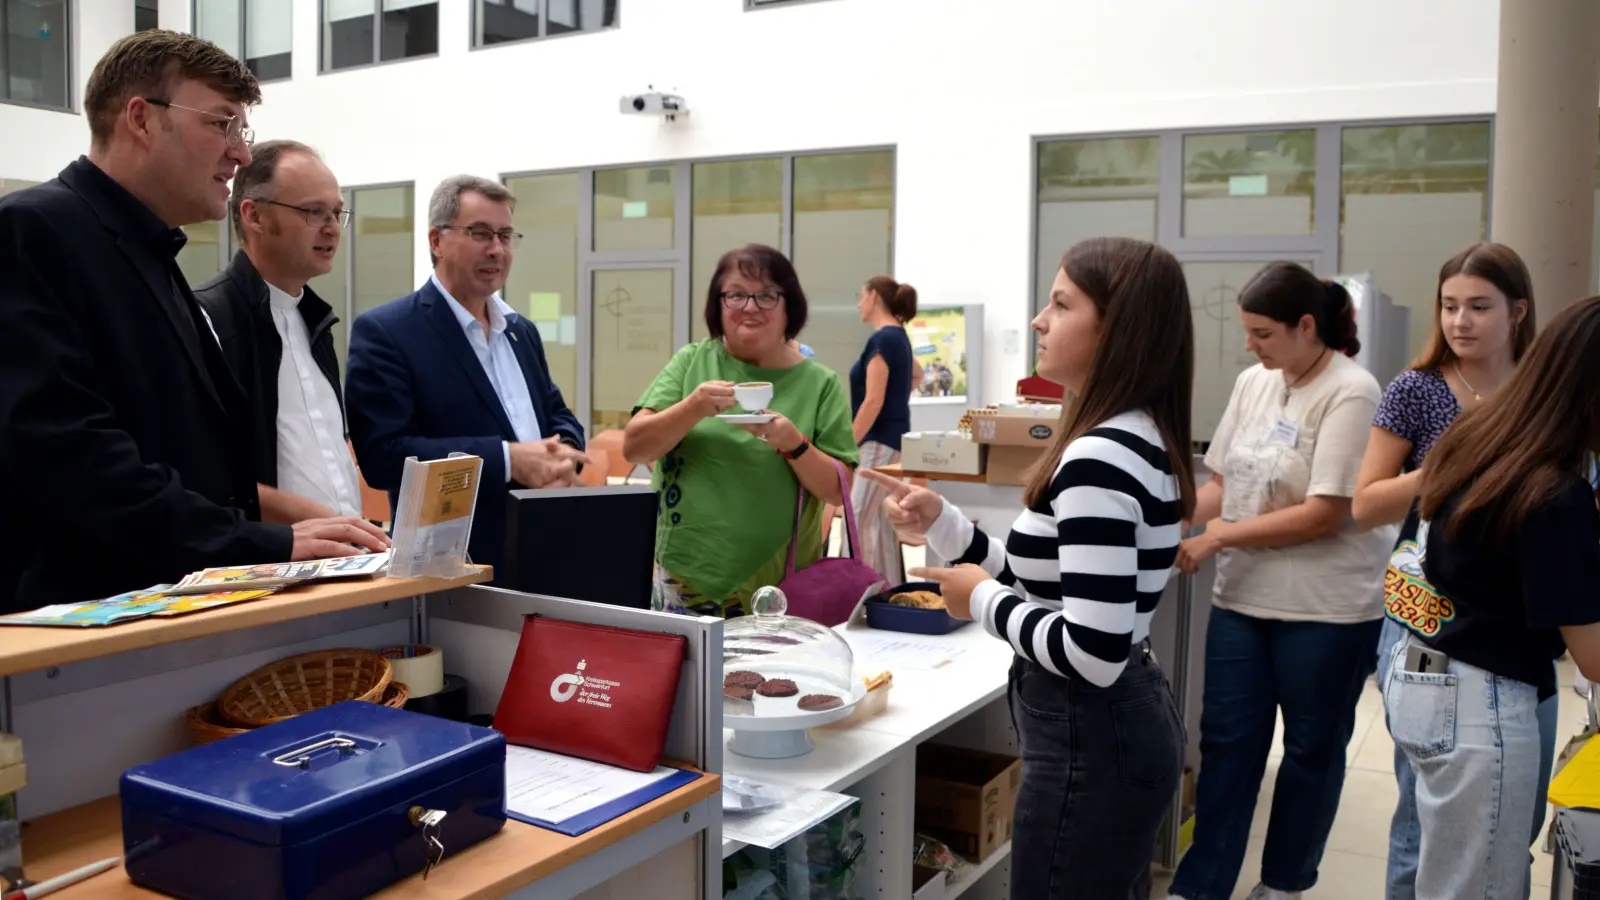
{"type": "Point", "coordinates": [1297, 597]}
{"type": "Point", "coordinates": [1509, 533]}
{"type": "Point", "coordinates": [1483, 322]}
{"type": "Point", "coordinates": [728, 492]}
{"type": "Point", "coordinates": [880, 400]}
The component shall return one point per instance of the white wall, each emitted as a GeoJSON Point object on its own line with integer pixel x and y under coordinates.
{"type": "Point", "coordinates": [958, 87]}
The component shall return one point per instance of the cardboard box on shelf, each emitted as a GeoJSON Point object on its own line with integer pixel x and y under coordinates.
{"type": "Point", "coordinates": [966, 797]}
{"type": "Point", "coordinates": [1016, 435]}
{"type": "Point", "coordinates": [942, 451]}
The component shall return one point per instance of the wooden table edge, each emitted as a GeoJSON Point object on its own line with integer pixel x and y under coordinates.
{"type": "Point", "coordinates": [93, 831]}
{"type": "Point", "coordinates": [25, 648]}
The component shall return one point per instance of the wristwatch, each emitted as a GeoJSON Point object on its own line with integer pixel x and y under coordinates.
{"type": "Point", "coordinates": [799, 451]}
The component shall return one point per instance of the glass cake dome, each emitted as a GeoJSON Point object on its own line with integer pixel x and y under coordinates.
{"type": "Point", "coordinates": [774, 644]}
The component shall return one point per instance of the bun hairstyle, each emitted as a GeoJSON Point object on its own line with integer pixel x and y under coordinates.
{"type": "Point", "coordinates": [1287, 292]}
{"type": "Point", "coordinates": [899, 299]}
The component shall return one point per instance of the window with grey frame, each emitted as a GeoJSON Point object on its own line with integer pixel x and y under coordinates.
{"type": "Point", "coordinates": [507, 21]}
{"type": "Point", "coordinates": [363, 32]}
{"type": "Point", "coordinates": [146, 14]}
{"type": "Point", "coordinates": [1393, 199]}
{"type": "Point", "coordinates": [35, 63]}
{"type": "Point", "coordinates": [260, 32]}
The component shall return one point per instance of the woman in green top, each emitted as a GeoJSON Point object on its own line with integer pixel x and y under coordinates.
{"type": "Point", "coordinates": [728, 492]}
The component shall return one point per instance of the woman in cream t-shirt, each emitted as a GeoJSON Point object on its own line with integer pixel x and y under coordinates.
{"type": "Point", "coordinates": [1299, 590]}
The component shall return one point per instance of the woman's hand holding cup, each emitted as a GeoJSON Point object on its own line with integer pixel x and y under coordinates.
{"type": "Point", "coordinates": [712, 398]}
{"type": "Point", "coordinates": [911, 509]}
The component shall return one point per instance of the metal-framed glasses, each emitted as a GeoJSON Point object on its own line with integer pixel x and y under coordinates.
{"type": "Point", "coordinates": [233, 127]}
{"type": "Point", "coordinates": [741, 299]}
{"type": "Point", "coordinates": [317, 216]}
{"type": "Point", "coordinates": [482, 235]}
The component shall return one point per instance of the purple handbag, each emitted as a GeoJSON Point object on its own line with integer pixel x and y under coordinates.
{"type": "Point", "coordinates": [829, 590]}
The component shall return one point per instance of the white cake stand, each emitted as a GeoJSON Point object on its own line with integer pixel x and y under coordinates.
{"type": "Point", "coordinates": [777, 730]}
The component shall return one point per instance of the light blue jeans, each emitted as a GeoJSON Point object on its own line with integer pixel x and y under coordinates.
{"type": "Point", "coordinates": [1472, 738]}
{"type": "Point", "coordinates": [1405, 833]}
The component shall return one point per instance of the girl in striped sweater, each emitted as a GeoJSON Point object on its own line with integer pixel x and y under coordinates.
{"type": "Point", "coordinates": [1073, 587]}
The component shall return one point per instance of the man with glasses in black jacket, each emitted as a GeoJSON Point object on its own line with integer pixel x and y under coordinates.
{"type": "Point", "coordinates": [277, 334]}
{"type": "Point", "coordinates": [124, 447]}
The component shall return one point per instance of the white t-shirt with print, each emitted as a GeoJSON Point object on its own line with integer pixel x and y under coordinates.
{"type": "Point", "coordinates": [1273, 456]}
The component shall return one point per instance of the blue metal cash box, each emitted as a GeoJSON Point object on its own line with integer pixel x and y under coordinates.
{"type": "Point", "coordinates": [333, 804]}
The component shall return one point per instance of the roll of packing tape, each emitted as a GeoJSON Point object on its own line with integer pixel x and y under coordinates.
{"type": "Point", "coordinates": [450, 702]}
{"type": "Point", "coordinates": [419, 667]}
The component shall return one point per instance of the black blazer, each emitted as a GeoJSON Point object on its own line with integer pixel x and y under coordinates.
{"type": "Point", "coordinates": [240, 308]}
{"type": "Point", "coordinates": [414, 387]}
{"type": "Point", "coordinates": [124, 453]}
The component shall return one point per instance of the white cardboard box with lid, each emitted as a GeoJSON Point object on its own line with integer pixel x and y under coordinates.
{"type": "Point", "coordinates": [950, 452]}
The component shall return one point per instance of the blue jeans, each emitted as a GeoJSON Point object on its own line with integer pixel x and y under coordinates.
{"type": "Point", "coordinates": [1313, 672]}
{"type": "Point", "coordinates": [1472, 738]}
{"type": "Point", "coordinates": [1405, 832]}
{"type": "Point", "coordinates": [1100, 767]}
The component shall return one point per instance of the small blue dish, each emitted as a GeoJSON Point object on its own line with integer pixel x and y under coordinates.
{"type": "Point", "coordinates": [892, 617]}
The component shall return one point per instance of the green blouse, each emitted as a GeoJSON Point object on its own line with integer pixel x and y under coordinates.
{"type": "Point", "coordinates": [727, 499]}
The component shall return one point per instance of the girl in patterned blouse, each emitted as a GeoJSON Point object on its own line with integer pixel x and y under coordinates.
{"type": "Point", "coordinates": [1483, 321]}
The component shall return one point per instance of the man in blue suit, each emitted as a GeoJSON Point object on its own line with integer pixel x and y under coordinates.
{"type": "Point", "coordinates": [453, 368]}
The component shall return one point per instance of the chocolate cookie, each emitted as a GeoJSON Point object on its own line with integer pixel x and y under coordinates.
{"type": "Point", "coordinates": [778, 687]}
{"type": "Point", "coordinates": [738, 691]}
{"type": "Point", "coordinates": [820, 702]}
{"type": "Point", "coordinates": [744, 679]}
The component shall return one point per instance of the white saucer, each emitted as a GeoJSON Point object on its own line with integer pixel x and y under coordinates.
{"type": "Point", "coordinates": [747, 418]}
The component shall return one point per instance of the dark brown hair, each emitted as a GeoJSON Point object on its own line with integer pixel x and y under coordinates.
{"type": "Point", "coordinates": [1144, 358]}
{"type": "Point", "coordinates": [1287, 292]}
{"type": "Point", "coordinates": [254, 182]}
{"type": "Point", "coordinates": [762, 263]}
{"type": "Point", "coordinates": [1512, 454]}
{"type": "Point", "coordinates": [1500, 266]}
{"type": "Point", "coordinates": [149, 64]}
{"type": "Point", "coordinates": [899, 299]}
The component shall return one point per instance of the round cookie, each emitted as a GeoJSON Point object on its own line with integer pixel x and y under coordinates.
{"type": "Point", "coordinates": [744, 679]}
{"type": "Point", "coordinates": [778, 687]}
{"type": "Point", "coordinates": [820, 702]}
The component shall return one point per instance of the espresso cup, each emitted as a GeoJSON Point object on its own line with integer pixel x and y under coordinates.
{"type": "Point", "coordinates": [754, 396]}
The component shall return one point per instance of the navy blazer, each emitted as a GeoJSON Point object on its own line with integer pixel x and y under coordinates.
{"type": "Point", "coordinates": [414, 387]}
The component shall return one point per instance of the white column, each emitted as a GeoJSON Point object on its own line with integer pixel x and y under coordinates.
{"type": "Point", "coordinates": [1545, 129]}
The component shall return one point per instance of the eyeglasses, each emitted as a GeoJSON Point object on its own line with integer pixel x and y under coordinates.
{"type": "Point", "coordinates": [233, 127]}
{"type": "Point", "coordinates": [317, 216]}
{"type": "Point", "coordinates": [740, 299]}
{"type": "Point", "coordinates": [482, 235]}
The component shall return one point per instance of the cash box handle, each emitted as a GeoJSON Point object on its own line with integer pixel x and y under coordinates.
{"type": "Point", "coordinates": [301, 758]}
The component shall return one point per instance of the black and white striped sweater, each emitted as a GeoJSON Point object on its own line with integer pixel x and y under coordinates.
{"type": "Point", "coordinates": [1078, 578]}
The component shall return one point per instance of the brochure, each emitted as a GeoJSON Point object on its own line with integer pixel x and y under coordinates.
{"type": "Point", "coordinates": [273, 576]}
{"type": "Point", "coordinates": [155, 601]}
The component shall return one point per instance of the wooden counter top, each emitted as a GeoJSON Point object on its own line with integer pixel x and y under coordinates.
{"type": "Point", "coordinates": [513, 859]}
{"type": "Point", "coordinates": [896, 471]}
{"type": "Point", "coordinates": [24, 648]}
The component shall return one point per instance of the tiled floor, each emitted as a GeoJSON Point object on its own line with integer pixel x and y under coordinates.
{"type": "Point", "coordinates": [1353, 866]}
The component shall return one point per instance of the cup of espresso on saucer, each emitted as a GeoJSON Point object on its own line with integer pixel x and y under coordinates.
{"type": "Point", "coordinates": [753, 395]}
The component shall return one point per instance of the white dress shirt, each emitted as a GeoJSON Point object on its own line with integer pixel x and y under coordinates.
{"type": "Point", "coordinates": [499, 362]}
{"type": "Point", "coordinates": [313, 460]}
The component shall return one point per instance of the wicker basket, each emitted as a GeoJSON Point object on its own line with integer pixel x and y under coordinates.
{"type": "Point", "coordinates": [205, 724]}
{"type": "Point", "coordinates": [303, 683]}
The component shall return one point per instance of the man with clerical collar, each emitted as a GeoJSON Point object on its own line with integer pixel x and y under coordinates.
{"type": "Point", "coordinates": [124, 439]}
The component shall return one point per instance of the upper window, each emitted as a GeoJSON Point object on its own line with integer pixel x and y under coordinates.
{"type": "Point", "coordinates": [503, 21]}
{"type": "Point", "coordinates": [362, 32]}
{"type": "Point", "coordinates": [260, 32]}
{"type": "Point", "coordinates": [34, 64]}
{"type": "Point", "coordinates": [146, 14]}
